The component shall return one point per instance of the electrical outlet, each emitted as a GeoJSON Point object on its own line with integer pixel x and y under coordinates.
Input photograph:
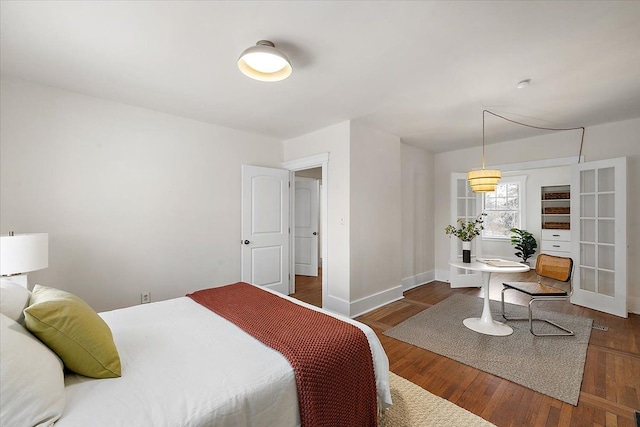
{"type": "Point", "coordinates": [145, 298]}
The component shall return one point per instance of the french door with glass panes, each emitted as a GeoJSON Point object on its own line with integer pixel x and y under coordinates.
{"type": "Point", "coordinates": [599, 242]}
{"type": "Point", "coordinates": [465, 205]}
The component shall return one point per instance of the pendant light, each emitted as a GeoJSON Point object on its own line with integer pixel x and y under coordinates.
{"type": "Point", "coordinates": [483, 180]}
{"type": "Point", "coordinates": [264, 62]}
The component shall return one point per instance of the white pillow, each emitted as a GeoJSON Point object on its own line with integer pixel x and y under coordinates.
{"type": "Point", "coordinates": [31, 378]}
{"type": "Point", "coordinates": [14, 298]}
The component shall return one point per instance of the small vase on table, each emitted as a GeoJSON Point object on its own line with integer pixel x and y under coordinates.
{"type": "Point", "coordinates": [466, 252]}
{"type": "Point", "coordinates": [466, 231]}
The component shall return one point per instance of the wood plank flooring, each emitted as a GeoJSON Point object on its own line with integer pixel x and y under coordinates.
{"type": "Point", "coordinates": [610, 391]}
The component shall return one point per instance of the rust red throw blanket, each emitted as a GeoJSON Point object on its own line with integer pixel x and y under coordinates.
{"type": "Point", "coordinates": [331, 359]}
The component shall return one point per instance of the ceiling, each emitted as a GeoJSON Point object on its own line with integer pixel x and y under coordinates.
{"type": "Point", "coordinates": [423, 71]}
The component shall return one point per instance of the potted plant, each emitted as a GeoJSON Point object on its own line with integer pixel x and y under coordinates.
{"type": "Point", "coordinates": [524, 242]}
{"type": "Point", "coordinates": [467, 231]}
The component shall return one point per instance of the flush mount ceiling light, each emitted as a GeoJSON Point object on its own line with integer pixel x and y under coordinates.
{"type": "Point", "coordinates": [265, 63]}
{"type": "Point", "coordinates": [523, 83]}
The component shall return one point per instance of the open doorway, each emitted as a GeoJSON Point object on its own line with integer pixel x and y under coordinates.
{"type": "Point", "coordinates": [308, 235]}
{"type": "Point", "coordinates": [320, 161]}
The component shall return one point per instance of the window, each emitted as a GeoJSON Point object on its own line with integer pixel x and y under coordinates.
{"type": "Point", "coordinates": [504, 208]}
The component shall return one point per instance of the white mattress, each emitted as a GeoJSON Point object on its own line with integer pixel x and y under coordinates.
{"type": "Point", "coordinates": [183, 365]}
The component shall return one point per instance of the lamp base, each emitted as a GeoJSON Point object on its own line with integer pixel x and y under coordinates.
{"type": "Point", "coordinates": [19, 279]}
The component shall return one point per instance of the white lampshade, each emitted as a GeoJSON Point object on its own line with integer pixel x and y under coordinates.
{"type": "Point", "coordinates": [264, 62]}
{"type": "Point", "coordinates": [484, 180]}
{"type": "Point", "coordinates": [22, 253]}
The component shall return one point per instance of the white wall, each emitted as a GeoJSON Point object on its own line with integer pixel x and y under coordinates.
{"type": "Point", "coordinates": [364, 213]}
{"type": "Point", "coordinates": [618, 139]}
{"type": "Point", "coordinates": [133, 200]}
{"type": "Point", "coordinates": [334, 140]}
{"type": "Point", "coordinates": [417, 188]}
{"type": "Point", "coordinates": [376, 218]}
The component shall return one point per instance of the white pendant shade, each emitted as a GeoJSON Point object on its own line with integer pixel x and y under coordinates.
{"type": "Point", "coordinates": [484, 180]}
{"type": "Point", "coordinates": [22, 253]}
{"type": "Point", "coordinates": [265, 63]}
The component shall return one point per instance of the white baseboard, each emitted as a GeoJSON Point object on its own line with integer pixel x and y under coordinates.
{"type": "Point", "coordinates": [417, 280]}
{"type": "Point", "coordinates": [443, 275]}
{"type": "Point", "coordinates": [366, 304]}
{"type": "Point", "coordinates": [633, 303]}
{"type": "Point", "coordinates": [336, 305]}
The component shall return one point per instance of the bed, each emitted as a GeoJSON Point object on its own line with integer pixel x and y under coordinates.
{"type": "Point", "coordinates": [184, 365]}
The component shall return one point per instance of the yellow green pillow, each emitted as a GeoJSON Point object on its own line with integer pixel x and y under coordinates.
{"type": "Point", "coordinates": [74, 331]}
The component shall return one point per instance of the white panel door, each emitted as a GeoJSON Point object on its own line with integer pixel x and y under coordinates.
{"type": "Point", "coordinates": [306, 226]}
{"type": "Point", "coordinates": [466, 205]}
{"type": "Point", "coordinates": [599, 235]}
{"type": "Point", "coordinates": [265, 227]}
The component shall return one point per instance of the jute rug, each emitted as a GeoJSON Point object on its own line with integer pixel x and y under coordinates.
{"type": "Point", "coordinates": [414, 406]}
{"type": "Point", "coordinates": [549, 365]}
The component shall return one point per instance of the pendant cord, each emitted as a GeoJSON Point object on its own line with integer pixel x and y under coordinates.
{"type": "Point", "coordinates": [530, 126]}
{"type": "Point", "coordinates": [483, 138]}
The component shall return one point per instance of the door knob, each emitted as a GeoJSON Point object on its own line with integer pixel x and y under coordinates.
{"type": "Point", "coordinates": [315, 234]}
{"type": "Point", "coordinates": [246, 242]}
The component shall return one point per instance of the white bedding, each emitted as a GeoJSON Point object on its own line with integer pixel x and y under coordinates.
{"type": "Point", "coordinates": [183, 365]}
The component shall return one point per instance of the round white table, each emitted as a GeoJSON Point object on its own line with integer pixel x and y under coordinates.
{"type": "Point", "coordinates": [485, 323]}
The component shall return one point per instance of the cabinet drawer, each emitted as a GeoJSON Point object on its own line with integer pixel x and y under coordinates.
{"type": "Point", "coordinates": [562, 235]}
{"type": "Point", "coordinates": [556, 246]}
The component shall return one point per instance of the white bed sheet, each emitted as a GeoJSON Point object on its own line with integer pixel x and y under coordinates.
{"type": "Point", "coordinates": [183, 365]}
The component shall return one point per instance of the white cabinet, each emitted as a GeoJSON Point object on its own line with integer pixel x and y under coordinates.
{"type": "Point", "coordinates": [556, 220]}
{"type": "Point", "coordinates": [556, 242]}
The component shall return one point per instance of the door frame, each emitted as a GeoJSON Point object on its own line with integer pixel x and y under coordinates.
{"type": "Point", "coordinates": [319, 160]}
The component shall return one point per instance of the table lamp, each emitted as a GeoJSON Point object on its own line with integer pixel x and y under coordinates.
{"type": "Point", "coordinates": [21, 254]}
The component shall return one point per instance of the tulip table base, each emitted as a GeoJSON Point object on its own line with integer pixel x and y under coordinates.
{"type": "Point", "coordinates": [487, 327]}
{"type": "Point", "coordinates": [485, 323]}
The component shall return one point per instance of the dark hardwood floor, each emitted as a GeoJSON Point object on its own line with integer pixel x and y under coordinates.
{"type": "Point", "coordinates": [610, 391]}
{"type": "Point", "coordinates": [309, 289]}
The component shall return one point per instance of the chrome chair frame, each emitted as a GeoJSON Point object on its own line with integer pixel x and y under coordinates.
{"type": "Point", "coordinates": [542, 297]}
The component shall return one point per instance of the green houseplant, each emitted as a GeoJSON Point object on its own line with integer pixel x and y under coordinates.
{"type": "Point", "coordinates": [524, 242]}
{"type": "Point", "coordinates": [466, 231]}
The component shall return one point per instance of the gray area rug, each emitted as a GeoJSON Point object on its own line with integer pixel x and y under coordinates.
{"type": "Point", "coordinates": [549, 365]}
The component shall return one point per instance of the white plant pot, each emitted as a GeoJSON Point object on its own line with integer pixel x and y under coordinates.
{"type": "Point", "coordinates": [466, 252]}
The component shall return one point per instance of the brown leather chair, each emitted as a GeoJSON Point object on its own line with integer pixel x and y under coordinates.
{"type": "Point", "coordinates": [552, 267]}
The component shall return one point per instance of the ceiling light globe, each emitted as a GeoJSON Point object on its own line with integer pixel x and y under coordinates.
{"type": "Point", "coordinates": [265, 63]}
